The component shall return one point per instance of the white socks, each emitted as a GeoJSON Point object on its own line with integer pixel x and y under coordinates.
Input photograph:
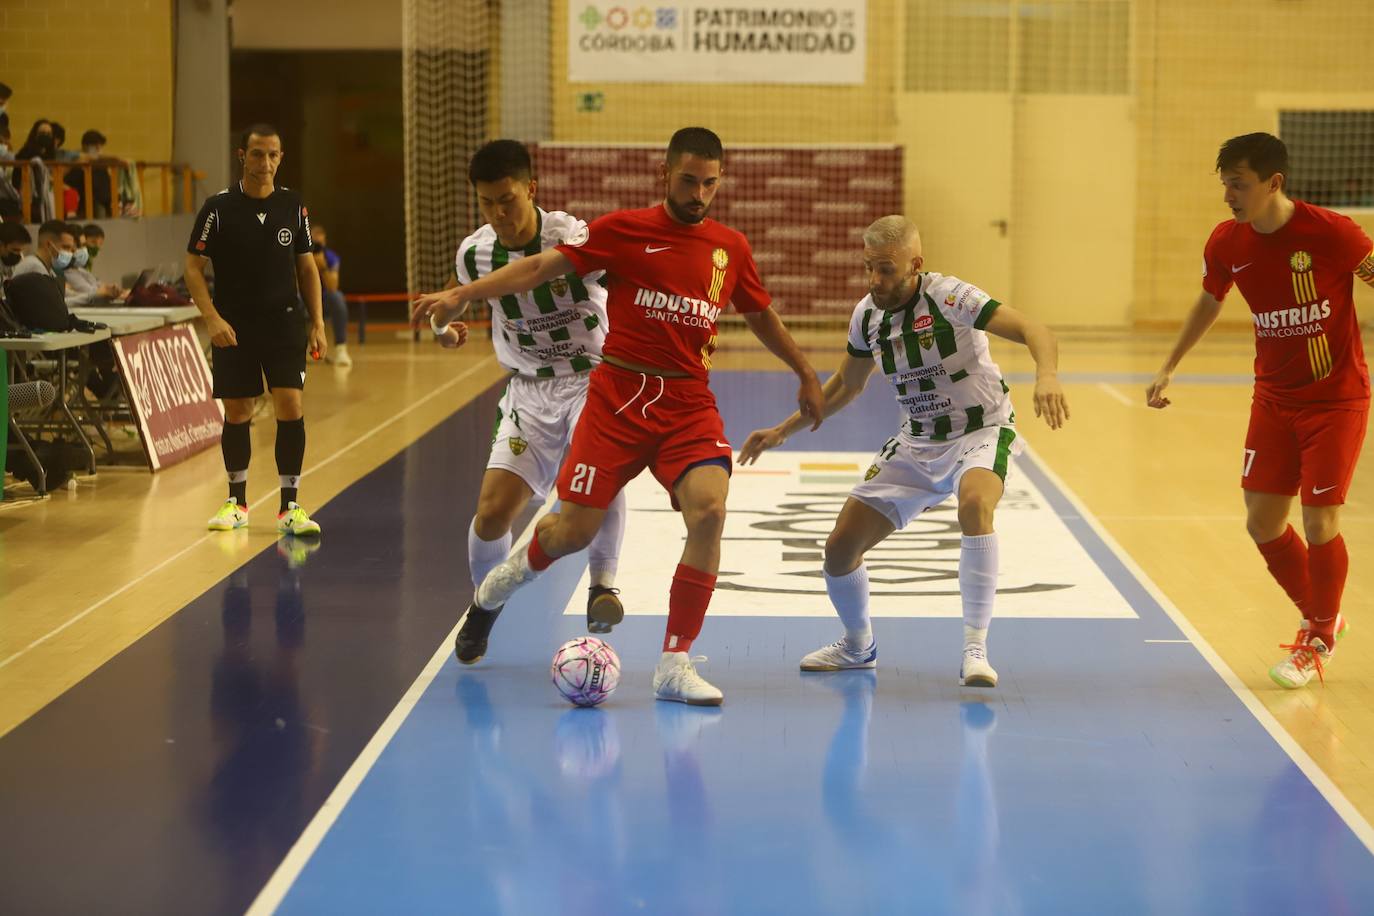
{"type": "Point", "coordinates": [483, 556]}
{"type": "Point", "coordinates": [604, 551]}
{"type": "Point", "coordinates": [849, 595]}
{"type": "Point", "coordinates": [977, 580]}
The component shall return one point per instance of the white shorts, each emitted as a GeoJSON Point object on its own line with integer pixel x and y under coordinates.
{"type": "Point", "coordinates": [534, 426]}
{"type": "Point", "coordinates": [906, 480]}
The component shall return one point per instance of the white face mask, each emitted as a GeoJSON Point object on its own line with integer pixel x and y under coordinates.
{"type": "Point", "coordinates": [4, 151]}
{"type": "Point", "coordinates": [81, 257]}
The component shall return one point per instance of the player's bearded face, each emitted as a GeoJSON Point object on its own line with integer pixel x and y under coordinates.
{"type": "Point", "coordinates": [891, 273]}
{"type": "Point", "coordinates": [692, 186]}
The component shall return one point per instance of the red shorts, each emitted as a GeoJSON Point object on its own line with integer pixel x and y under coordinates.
{"type": "Point", "coordinates": [632, 421]}
{"type": "Point", "coordinates": [1306, 450]}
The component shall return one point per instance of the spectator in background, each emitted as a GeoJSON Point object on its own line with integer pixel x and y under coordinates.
{"type": "Point", "coordinates": [38, 145]}
{"type": "Point", "coordinates": [9, 195]}
{"type": "Point", "coordinates": [93, 151]}
{"type": "Point", "coordinates": [335, 308]}
{"type": "Point", "coordinates": [5, 93]}
{"type": "Point", "coordinates": [59, 142]}
{"type": "Point", "coordinates": [82, 286]}
{"type": "Point", "coordinates": [14, 243]}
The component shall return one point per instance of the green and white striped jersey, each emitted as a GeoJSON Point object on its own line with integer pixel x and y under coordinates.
{"type": "Point", "coordinates": [935, 354]}
{"type": "Point", "coordinates": [557, 328]}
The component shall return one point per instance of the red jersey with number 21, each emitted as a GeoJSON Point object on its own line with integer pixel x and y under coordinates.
{"type": "Point", "coordinates": [1299, 283]}
{"type": "Point", "coordinates": [667, 283]}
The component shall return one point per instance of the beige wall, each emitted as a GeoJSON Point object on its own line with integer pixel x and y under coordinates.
{"type": "Point", "coordinates": [1209, 71]}
{"type": "Point", "coordinates": [103, 64]}
{"type": "Point", "coordinates": [303, 25]}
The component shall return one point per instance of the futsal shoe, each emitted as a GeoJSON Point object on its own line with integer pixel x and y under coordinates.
{"type": "Point", "coordinates": [975, 671]}
{"type": "Point", "coordinates": [604, 609]}
{"type": "Point", "coordinates": [504, 578]}
{"type": "Point", "coordinates": [230, 516]}
{"type": "Point", "coordinates": [676, 680]}
{"type": "Point", "coordinates": [340, 356]}
{"type": "Point", "coordinates": [296, 521]}
{"type": "Point", "coordinates": [471, 643]}
{"type": "Point", "coordinates": [1308, 656]}
{"type": "Point", "coordinates": [838, 656]}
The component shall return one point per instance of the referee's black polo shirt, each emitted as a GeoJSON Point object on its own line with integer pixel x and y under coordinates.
{"type": "Point", "coordinates": [253, 244]}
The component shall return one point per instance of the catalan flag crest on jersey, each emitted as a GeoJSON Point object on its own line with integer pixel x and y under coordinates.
{"type": "Point", "coordinates": [1304, 287]}
{"type": "Point", "coordinates": [720, 259]}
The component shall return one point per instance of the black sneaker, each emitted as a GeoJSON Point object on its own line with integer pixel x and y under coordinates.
{"type": "Point", "coordinates": [471, 643]}
{"type": "Point", "coordinates": [604, 609]}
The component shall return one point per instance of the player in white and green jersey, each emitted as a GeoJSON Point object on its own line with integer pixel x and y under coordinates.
{"type": "Point", "coordinates": [927, 333]}
{"type": "Point", "coordinates": [549, 338]}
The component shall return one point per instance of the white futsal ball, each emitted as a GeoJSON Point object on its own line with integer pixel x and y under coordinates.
{"type": "Point", "coordinates": [585, 670]}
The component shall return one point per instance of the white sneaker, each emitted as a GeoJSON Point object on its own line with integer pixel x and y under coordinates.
{"type": "Point", "coordinates": [230, 516]}
{"type": "Point", "coordinates": [507, 576]}
{"type": "Point", "coordinates": [676, 679]}
{"type": "Point", "coordinates": [975, 671]}
{"type": "Point", "coordinates": [341, 357]}
{"type": "Point", "coordinates": [1308, 657]}
{"type": "Point", "coordinates": [839, 657]}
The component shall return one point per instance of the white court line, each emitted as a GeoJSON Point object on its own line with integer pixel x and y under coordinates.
{"type": "Point", "coordinates": [1115, 395]}
{"type": "Point", "coordinates": [270, 495]}
{"type": "Point", "coordinates": [1158, 641]}
{"type": "Point", "coordinates": [277, 887]}
{"type": "Point", "coordinates": [1315, 775]}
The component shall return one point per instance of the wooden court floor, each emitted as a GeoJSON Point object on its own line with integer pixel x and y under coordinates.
{"type": "Point", "coordinates": [88, 571]}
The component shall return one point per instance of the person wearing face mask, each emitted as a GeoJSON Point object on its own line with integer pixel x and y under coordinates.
{"type": "Point", "coordinates": [14, 241]}
{"type": "Point", "coordinates": [41, 146]}
{"type": "Point", "coordinates": [53, 254]}
{"type": "Point", "coordinates": [82, 286]}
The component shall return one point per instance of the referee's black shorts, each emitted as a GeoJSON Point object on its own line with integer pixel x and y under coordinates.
{"type": "Point", "coordinates": [274, 350]}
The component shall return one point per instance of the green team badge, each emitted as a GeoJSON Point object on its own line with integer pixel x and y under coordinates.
{"type": "Point", "coordinates": [518, 445]}
{"type": "Point", "coordinates": [871, 472]}
{"type": "Point", "coordinates": [923, 327]}
{"type": "Point", "coordinates": [558, 286]}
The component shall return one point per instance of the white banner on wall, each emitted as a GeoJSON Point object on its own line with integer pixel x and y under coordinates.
{"type": "Point", "coordinates": [795, 41]}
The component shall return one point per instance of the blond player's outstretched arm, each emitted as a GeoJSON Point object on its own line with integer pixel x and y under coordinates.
{"type": "Point", "coordinates": [515, 277]}
{"type": "Point", "coordinates": [841, 388]}
{"type": "Point", "coordinates": [1202, 316]}
{"type": "Point", "coordinates": [1009, 324]}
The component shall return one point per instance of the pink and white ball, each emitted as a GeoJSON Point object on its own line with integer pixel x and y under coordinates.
{"type": "Point", "coordinates": [585, 670]}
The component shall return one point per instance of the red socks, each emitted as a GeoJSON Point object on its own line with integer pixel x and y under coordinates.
{"type": "Point", "coordinates": [1327, 565]}
{"type": "Point", "coordinates": [1287, 559]}
{"type": "Point", "coordinates": [687, 602]}
{"type": "Point", "coordinates": [538, 559]}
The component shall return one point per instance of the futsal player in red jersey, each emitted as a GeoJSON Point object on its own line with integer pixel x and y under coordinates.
{"type": "Point", "coordinates": [671, 272]}
{"type": "Point", "coordinates": [1295, 265]}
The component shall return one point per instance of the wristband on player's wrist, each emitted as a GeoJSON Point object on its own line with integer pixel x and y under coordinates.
{"type": "Point", "coordinates": [438, 329]}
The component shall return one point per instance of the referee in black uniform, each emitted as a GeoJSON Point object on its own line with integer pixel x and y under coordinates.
{"type": "Point", "coordinates": [257, 236]}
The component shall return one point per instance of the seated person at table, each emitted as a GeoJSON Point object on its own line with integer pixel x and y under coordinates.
{"type": "Point", "coordinates": [82, 286]}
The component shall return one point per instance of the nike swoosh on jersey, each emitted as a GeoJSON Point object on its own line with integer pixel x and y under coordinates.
{"type": "Point", "coordinates": [1236, 270]}
{"type": "Point", "coordinates": [1318, 491]}
{"type": "Point", "coordinates": [720, 444]}
{"type": "Point", "coordinates": [650, 249]}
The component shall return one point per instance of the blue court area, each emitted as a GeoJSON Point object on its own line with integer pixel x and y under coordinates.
{"type": "Point", "coordinates": [1111, 770]}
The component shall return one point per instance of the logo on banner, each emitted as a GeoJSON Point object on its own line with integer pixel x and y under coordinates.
{"type": "Point", "coordinates": [803, 41]}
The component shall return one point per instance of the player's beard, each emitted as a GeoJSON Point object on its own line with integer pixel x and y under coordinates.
{"type": "Point", "coordinates": [890, 302]}
{"type": "Point", "coordinates": [683, 214]}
